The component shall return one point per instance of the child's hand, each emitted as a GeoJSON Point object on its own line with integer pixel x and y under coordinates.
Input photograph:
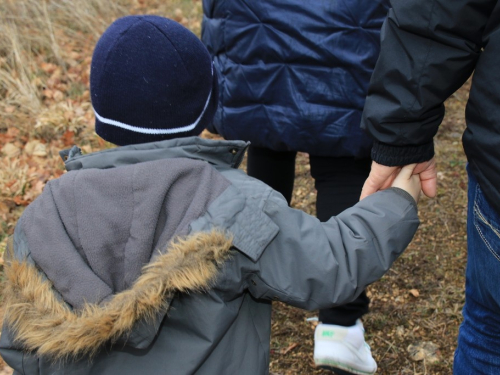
{"type": "Point", "coordinates": [408, 181]}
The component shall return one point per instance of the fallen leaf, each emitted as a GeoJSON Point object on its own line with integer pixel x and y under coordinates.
{"type": "Point", "coordinates": [424, 351]}
{"type": "Point", "coordinates": [414, 293]}
{"type": "Point", "coordinates": [35, 148]}
{"type": "Point", "coordinates": [48, 93]}
{"type": "Point", "coordinates": [58, 95]}
{"type": "Point", "coordinates": [20, 201]}
{"type": "Point", "coordinates": [11, 150]}
{"type": "Point", "coordinates": [48, 67]}
{"type": "Point", "coordinates": [35, 191]}
{"type": "Point", "coordinates": [75, 55]}
{"type": "Point", "coordinates": [10, 183]}
{"type": "Point", "coordinates": [13, 132]}
{"type": "Point", "coordinates": [68, 138]}
{"type": "Point", "coordinates": [56, 75]}
{"type": "Point", "coordinates": [4, 208]}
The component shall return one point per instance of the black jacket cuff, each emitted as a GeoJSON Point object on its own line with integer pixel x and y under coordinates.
{"type": "Point", "coordinates": [392, 156]}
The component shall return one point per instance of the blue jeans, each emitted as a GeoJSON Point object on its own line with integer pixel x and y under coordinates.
{"type": "Point", "coordinates": [478, 350]}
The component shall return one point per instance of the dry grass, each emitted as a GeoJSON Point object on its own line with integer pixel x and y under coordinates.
{"type": "Point", "coordinates": [41, 42]}
{"type": "Point", "coordinates": [33, 31]}
{"type": "Point", "coordinates": [45, 49]}
{"type": "Point", "coordinates": [45, 53]}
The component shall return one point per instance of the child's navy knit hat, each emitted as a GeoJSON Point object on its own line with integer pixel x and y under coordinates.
{"type": "Point", "coordinates": [151, 79]}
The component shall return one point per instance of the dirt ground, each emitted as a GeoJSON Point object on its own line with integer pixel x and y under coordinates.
{"type": "Point", "coordinates": [415, 308]}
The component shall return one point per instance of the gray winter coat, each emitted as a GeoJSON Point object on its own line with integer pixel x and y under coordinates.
{"type": "Point", "coordinates": [163, 258]}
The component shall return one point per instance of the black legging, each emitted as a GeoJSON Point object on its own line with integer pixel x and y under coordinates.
{"type": "Point", "coordinates": [338, 182]}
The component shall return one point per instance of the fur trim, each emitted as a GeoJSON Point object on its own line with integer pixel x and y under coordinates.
{"type": "Point", "coordinates": [44, 324]}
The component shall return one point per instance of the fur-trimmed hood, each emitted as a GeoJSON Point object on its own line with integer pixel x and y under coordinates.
{"type": "Point", "coordinates": [45, 324]}
{"type": "Point", "coordinates": [101, 251]}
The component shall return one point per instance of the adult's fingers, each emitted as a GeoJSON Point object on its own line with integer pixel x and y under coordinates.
{"type": "Point", "coordinates": [428, 177]}
{"type": "Point", "coordinates": [380, 178]}
{"type": "Point", "coordinates": [429, 185]}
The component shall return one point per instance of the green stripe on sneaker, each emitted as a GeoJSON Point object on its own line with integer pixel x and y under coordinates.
{"type": "Point", "coordinates": [327, 334]}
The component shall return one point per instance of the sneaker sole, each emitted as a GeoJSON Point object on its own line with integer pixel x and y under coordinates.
{"type": "Point", "coordinates": [335, 370]}
{"type": "Point", "coordinates": [339, 369]}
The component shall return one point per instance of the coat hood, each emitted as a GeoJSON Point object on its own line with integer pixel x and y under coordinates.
{"type": "Point", "coordinates": [45, 324]}
{"type": "Point", "coordinates": [111, 248]}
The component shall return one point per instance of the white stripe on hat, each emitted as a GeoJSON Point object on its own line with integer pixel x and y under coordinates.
{"type": "Point", "coordinates": [153, 131]}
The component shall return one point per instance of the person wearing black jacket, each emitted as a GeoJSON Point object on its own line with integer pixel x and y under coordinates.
{"type": "Point", "coordinates": [429, 49]}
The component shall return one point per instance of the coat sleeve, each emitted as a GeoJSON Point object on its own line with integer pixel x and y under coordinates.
{"type": "Point", "coordinates": [429, 48]}
{"type": "Point", "coordinates": [314, 265]}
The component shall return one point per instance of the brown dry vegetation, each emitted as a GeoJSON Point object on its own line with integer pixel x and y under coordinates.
{"type": "Point", "coordinates": [45, 49]}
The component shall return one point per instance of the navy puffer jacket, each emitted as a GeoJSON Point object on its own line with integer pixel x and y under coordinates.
{"type": "Point", "coordinates": [294, 74]}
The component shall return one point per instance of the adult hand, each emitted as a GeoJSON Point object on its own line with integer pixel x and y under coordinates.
{"type": "Point", "coordinates": [428, 177]}
{"type": "Point", "coordinates": [381, 177]}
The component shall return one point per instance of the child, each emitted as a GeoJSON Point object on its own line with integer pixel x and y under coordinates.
{"type": "Point", "coordinates": [161, 257]}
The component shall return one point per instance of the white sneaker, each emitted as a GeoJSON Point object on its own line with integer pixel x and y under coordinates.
{"type": "Point", "coordinates": [343, 350]}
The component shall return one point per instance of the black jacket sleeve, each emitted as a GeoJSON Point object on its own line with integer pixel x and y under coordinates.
{"type": "Point", "coordinates": [429, 49]}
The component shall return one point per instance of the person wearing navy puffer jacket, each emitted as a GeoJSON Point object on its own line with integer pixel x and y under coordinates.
{"type": "Point", "coordinates": [293, 77]}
